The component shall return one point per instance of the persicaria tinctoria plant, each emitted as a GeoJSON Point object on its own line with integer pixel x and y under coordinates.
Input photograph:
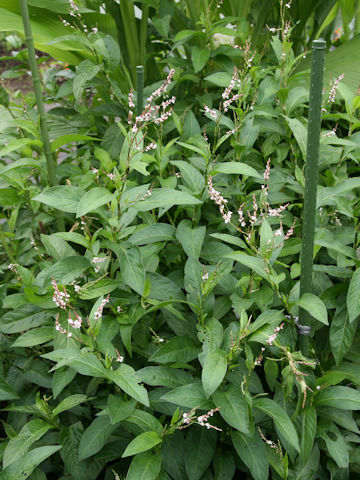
{"type": "Point", "coordinates": [157, 335]}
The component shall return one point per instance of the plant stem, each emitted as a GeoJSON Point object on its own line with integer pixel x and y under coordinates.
{"type": "Point", "coordinates": [50, 159]}
{"type": "Point", "coordinates": [139, 89]}
{"type": "Point", "coordinates": [311, 178]}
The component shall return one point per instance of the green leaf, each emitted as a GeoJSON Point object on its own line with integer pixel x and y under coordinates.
{"type": "Point", "coordinates": [178, 349]}
{"type": "Point", "coordinates": [66, 270]}
{"type": "Point", "coordinates": [69, 138]}
{"type": "Point", "coordinates": [144, 466]}
{"type": "Point", "coordinates": [120, 409]}
{"type": "Point", "coordinates": [95, 437]}
{"type": "Point", "coordinates": [312, 304]}
{"type": "Point", "coordinates": [300, 133]}
{"type": "Point", "coordinates": [342, 334]}
{"type": "Point", "coordinates": [37, 336]}
{"type": "Point", "coordinates": [252, 451]}
{"type": "Point", "coordinates": [345, 398]}
{"type": "Point", "coordinates": [281, 420]}
{"type": "Point", "coordinates": [141, 443]}
{"type": "Point", "coordinates": [188, 396]}
{"type": "Point", "coordinates": [199, 57]}
{"type": "Point", "coordinates": [93, 199]}
{"type": "Point", "coordinates": [23, 467]}
{"type": "Point", "coordinates": [214, 371]}
{"type": "Point", "coordinates": [126, 378]}
{"type": "Point", "coordinates": [199, 450]}
{"type": "Point", "coordinates": [21, 163]}
{"type": "Point", "coordinates": [191, 239]}
{"type": "Point", "coordinates": [22, 318]}
{"type": "Point", "coordinates": [191, 176]}
{"type": "Point", "coordinates": [158, 232]}
{"type": "Point", "coordinates": [236, 168]}
{"type": "Point", "coordinates": [335, 444]}
{"type": "Point", "coordinates": [86, 71]}
{"type": "Point", "coordinates": [353, 296]}
{"type": "Point", "coordinates": [56, 247]}
{"type": "Point", "coordinates": [19, 445]}
{"type": "Point", "coordinates": [131, 265]}
{"type": "Point", "coordinates": [61, 197]}
{"type": "Point", "coordinates": [220, 79]}
{"type": "Point", "coordinates": [233, 408]}
{"type": "Point", "coordinates": [165, 198]}
{"type": "Point", "coordinates": [164, 377]}
{"type": "Point", "coordinates": [84, 363]}
{"type": "Point", "coordinates": [308, 420]}
{"type": "Point", "coordinates": [256, 264]}
{"type": "Point", "coordinates": [6, 391]}
{"type": "Point", "coordinates": [68, 403]}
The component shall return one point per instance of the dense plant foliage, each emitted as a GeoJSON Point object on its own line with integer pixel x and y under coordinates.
{"type": "Point", "coordinates": [150, 300]}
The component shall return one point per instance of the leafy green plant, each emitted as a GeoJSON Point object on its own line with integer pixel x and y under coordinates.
{"type": "Point", "coordinates": [157, 336]}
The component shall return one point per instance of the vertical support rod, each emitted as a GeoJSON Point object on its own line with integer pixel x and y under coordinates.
{"type": "Point", "coordinates": [311, 179]}
{"type": "Point", "coordinates": [50, 159]}
{"type": "Point", "coordinates": [139, 89]}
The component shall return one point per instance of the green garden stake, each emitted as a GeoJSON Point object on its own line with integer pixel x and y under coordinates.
{"type": "Point", "coordinates": [50, 159]}
{"type": "Point", "coordinates": [311, 179]}
{"type": "Point", "coordinates": [139, 89]}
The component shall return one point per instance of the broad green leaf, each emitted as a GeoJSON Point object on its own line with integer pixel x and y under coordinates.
{"type": "Point", "coordinates": [188, 396]}
{"type": "Point", "coordinates": [144, 421]}
{"type": "Point", "coordinates": [309, 470]}
{"type": "Point", "coordinates": [164, 377]}
{"type": "Point", "coordinates": [21, 163]}
{"type": "Point", "coordinates": [342, 334]}
{"type": "Point", "coordinates": [312, 304]}
{"type": "Point", "coordinates": [233, 408]}
{"type": "Point", "coordinates": [214, 371]}
{"type": "Point", "coordinates": [66, 270]}
{"type": "Point", "coordinates": [353, 296]}
{"type": "Point", "coordinates": [178, 349]}
{"type": "Point", "coordinates": [62, 197]}
{"type": "Point", "coordinates": [335, 443]}
{"type": "Point", "coordinates": [131, 265]}
{"type": "Point", "coordinates": [327, 195]}
{"type": "Point", "coordinates": [144, 466]}
{"type": "Point", "coordinates": [24, 466]}
{"type": "Point", "coordinates": [19, 445]}
{"type": "Point", "coordinates": [191, 238]}
{"type": "Point", "coordinates": [86, 71]}
{"type": "Point", "coordinates": [97, 288]}
{"type": "Point", "coordinates": [120, 409]}
{"type": "Point", "coordinates": [109, 50]}
{"type": "Point", "coordinates": [199, 450]}
{"type": "Point", "coordinates": [73, 237]}
{"type": "Point", "coordinates": [199, 57]}
{"type": "Point", "coordinates": [341, 417]}
{"type": "Point", "coordinates": [17, 144]}
{"type": "Point", "coordinates": [37, 336]}
{"type": "Point", "coordinates": [224, 465]}
{"type": "Point", "coordinates": [158, 232]}
{"type": "Point", "coordinates": [225, 237]}
{"type": "Point", "coordinates": [69, 138]}
{"type": "Point", "coordinates": [95, 436]}
{"type": "Point", "coordinates": [300, 133]}
{"type": "Point", "coordinates": [254, 263]}
{"type": "Point", "coordinates": [6, 391]}
{"type": "Point", "coordinates": [220, 79]}
{"type": "Point", "coordinates": [68, 403]}
{"type": "Point", "coordinates": [281, 419]}
{"type": "Point", "coordinates": [252, 451]}
{"type": "Point", "coordinates": [84, 363]}
{"type": "Point", "coordinates": [141, 443]}
{"type": "Point", "coordinates": [346, 370]}
{"type": "Point", "coordinates": [165, 198]}
{"type": "Point", "coordinates": [125, 377]}
{"type": "Point", "coordinates": [345, 398]}
{"type": "Point", "coordinates": [56, 247]}
{"type": "Point", "coordinates": [191, 176]}
{"type": "Point", "coordinates": [308, 420]}
{"type": "Point", "coordinates": [236, 168]}
{"type": "Point", "coordinates": [93, 199]}
{"type": "Point", "coordinates": [60, 379]}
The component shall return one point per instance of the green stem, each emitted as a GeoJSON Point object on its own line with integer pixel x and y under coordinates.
{"type": "Point", "coordinates": [50, 159]}
{"type": "Point", "coordinates": [139, 89]}
{"type": "Point", "coordinates": [143, 33]}
{"type": "Point", "coordinates": [311, 178]}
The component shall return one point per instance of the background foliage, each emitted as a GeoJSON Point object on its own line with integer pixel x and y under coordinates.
{"type": "Point", "coordinates": [156, 335]}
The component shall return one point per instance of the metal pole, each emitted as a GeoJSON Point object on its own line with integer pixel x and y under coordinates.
{"type": "Point", "coordinates": [139, 89]}
{"type": "Point", "coordinates": [311, 179]}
